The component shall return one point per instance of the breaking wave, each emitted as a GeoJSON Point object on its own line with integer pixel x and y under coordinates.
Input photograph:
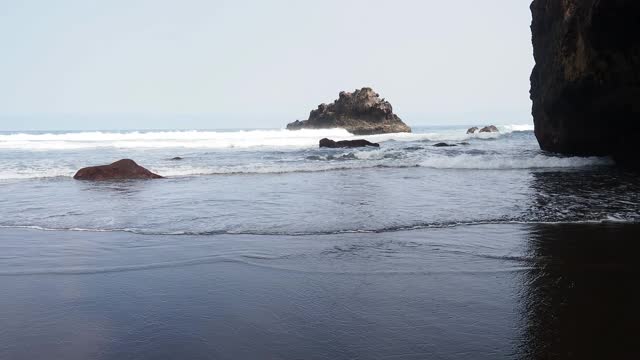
{"type": "Point", "coordinates": [343, 162]}
{"type": "Point", "coordinates": [605, 219]}
{"type": "Point", "coordinates": [194, 139]}
{"type": "Point", "coordinates": [466, 161]}
{"type": "Point", "coordinates": [274, 152]}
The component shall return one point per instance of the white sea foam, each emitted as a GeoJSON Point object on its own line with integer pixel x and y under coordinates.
{"type": "Point", "coordinates": [218, 139]}
{"type": "Point", "coordinates": [170, 139]}
{"type": "Point", "coordinates": [361, 160]}
{"type": "Point", "coordinates": [34, 173]}
{"type": "Point", "coordinates": [515, 127]}
{"type": "Point", "coordinates": [304, 157]}
{"type": "Point", "coordinates": [466, 161]}
{"type": "Point", "coordinates": [354, 161]}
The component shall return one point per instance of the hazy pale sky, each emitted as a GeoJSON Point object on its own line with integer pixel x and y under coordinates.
{"type": "Point", "coordinates": [83, 64]}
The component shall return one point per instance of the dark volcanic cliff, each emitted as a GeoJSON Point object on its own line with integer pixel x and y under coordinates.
{"type": "Point", "coordinates": [361, 112]}
{"type": "Point", "coordinates": [585, 85]}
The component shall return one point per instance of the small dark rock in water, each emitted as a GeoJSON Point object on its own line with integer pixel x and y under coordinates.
{"type": "Point", "coordinates": [443, 145]}
{"type": "Point", "coordinates": [464, 143]}
{"type": "Point", "coordinates": [124, 169]}
{"type": "Point", "coordinates": [585, 85]}
{"type": "Point", "coordinates": [361, 112]}
{"type": "Point", "coordinates": [328, 143]}
{"type": "Point", "coordinates": [176, 158]}
{"type": "Point", "coordinates": [489, 129]}
{"type": "Point", "coordinates": [472, 130]}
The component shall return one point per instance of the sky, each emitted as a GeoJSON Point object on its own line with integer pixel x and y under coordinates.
{"type": "Point", "coordinates": [207, 64]}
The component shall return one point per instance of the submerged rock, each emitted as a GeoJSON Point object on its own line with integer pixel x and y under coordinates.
{"type": "Point", "coordinates": [177, 158]}
{"type": "Point", "coordinates": [489, 129]}
{"type": "Point", "coordinates": [328, 143]}
{"type": "Point", "coordinates": [585, 85]}
{"type": "Point", "coordinates": [444, 145]}
{"type": "Point", "coordinates": [361, 112]}
{"type": "Point", "coordinates": [120, 170]}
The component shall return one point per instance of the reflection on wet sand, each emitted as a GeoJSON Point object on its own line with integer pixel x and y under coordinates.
{"type": "Point", "coordinates": [579, 298]}
{"type": "Point", "coordinates": [568, 196]}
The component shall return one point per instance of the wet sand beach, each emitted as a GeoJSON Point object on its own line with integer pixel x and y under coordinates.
{"type": "Point", "coordinates": [465, 292]}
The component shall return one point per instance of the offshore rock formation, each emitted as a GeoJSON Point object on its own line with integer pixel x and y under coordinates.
{"type": "Point", "coordinates": [489, 129]}
{"type": "Point", "coordinates": [361, 112]}
{"type": "Point", "coordinates": [328, 143]}
{"type": "Point", "coordinates": [124, 169]}
{"type": "Point", "coordinates": [585, 85]}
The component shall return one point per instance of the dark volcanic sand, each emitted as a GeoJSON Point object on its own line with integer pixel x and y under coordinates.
{"type": "Point", "coordinates": [466, 292]}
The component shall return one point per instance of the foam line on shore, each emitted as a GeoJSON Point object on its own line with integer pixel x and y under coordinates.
{"type": "Point", "coordinates": [422, 226]}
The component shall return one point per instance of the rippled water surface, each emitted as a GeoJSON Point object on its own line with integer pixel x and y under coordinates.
{"type": "Point", "coordinates": [491, 291]}
{"type": "Point", "coordinates": [279, 182]}
{"type": "Point", "coordinates": [258, 244]}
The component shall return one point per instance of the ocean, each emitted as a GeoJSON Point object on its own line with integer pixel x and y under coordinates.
{"type": "Point", "coordinates": [259, 244]}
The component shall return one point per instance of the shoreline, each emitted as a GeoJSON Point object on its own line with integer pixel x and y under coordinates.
{"type": "Point", "coordinates": [400, 229]}
{"type": "Point", "coordinates": [474, 292]}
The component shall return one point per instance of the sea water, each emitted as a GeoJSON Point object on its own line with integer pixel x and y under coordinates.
{"type": "Point", "coordinates": [281, 182]}
{"type": "Point", "coordinates": [259, 244]}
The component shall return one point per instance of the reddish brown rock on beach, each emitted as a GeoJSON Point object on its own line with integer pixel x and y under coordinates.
{"type": "Point", "coordinates": [124, 169]}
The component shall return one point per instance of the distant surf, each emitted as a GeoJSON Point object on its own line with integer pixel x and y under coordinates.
{"type": "Point", "coordinates": [279, 182]}
{"type": "Point", "coordinates": [59, 155]}
{"type": "Point", "coordinates": [200, 139]}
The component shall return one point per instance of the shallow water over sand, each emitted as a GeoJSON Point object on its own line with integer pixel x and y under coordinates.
{"type": "Point", "coordinates": [470, 292]}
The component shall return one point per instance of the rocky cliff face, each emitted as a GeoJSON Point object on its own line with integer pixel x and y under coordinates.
{"type": "Point", "coordinates": [361, 112]}
{"type": "Point", "coordinates": [585, 85]}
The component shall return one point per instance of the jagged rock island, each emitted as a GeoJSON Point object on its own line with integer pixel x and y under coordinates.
{"type": "Point", "coordinates": [585, 85]}
{"type": "Point", "coordinates": [361, 112]}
